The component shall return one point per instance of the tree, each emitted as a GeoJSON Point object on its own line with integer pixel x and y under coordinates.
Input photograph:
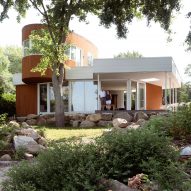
{"type": "Point", "coordinates": [188, 38]}
{"type": "Point", "coordinates": [5, 76]}
{"type": "Point", "coordinates": [57, 15]}
{"type": "Point", "coordinates": [128, 54]}
{"type": "Point", "coordinates": [14, 55]}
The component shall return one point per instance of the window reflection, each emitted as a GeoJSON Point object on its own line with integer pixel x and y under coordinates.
{"type": "Point", "coordinates": [84, 96]}
{"type": "Point", "coordinates": [52, 98]}
{"type": "Point", "coordinates": [141, 95]}
{"type": "Point", "coordinates": [43, 97]}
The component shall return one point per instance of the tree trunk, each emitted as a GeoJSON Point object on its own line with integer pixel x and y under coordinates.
{"type": "Point", "coordinates": [59, 105]}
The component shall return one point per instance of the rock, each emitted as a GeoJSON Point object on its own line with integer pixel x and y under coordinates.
{"type": "Point", "coordinates": [133, 126]}
{"type": "Point", "coordinates": [30, 133]}
{"type": "Point", "coordinates": [186, 151]}
{"type": "Point", "coordinates": [93, 117]}
{"type": "Point", "coordinates": [41, 121]}
{"type": "Point", "coordinates": [42, 141]}
{"type": "Point", "coordinates": [32, 116]}
{"type": "Point", "coordinates": [140, 115]}
{"type": "Point", "coordinates": [21, 119]}
{"type": "Point", "coordinates": [13, 124]}
{"type": "Point", "coordinates": [27, 143]}
{"type": "Point", "coordinates": [115, 185]}
{"type": "Point", "coordinates": [123, 115]}
{"type": "Point", "coordinates": [106, 116]}
{"type": "Point", "coordinates": [141, 122]}
{"type": "Point", "coordinates": [48, 116]}
{"type": "Point", "coordinates": [75, 123]}
{"type": "Point", "coordinates": [31, 121]}
{"type": "Point", "coordinates": [5, 157]}
{"type": "Point", "coordinates": [51, 121]}
{"type": "Point", "coordinates": [25, 125]}
{"type": "Point", "coordinates": [28, 156]}
{"type": "Point", "coordinates": [120, 123]}
{"type": "Point", "coordinates": [105, 123]}
{"type": "Point", "coordinates": [86, 123]}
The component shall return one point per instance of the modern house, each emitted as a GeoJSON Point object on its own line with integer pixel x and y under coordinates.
{"type": "Point", "coordinates": [135, 83]}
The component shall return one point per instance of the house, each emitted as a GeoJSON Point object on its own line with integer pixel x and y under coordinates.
{"type": "Point", "coordinates": [135, 83]}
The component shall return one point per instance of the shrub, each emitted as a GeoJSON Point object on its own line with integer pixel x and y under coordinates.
{"type": "Point", "coordinates": [3, 118]}
{"type": "Point", "coordinates": [66, 167]}
{"type": "Point", "coordinates": [7, 104]}
{"type": "Point", "coordinates": [74, 166]}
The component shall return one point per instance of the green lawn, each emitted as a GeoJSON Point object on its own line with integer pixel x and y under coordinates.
{"type": "Point", "coordinates": [56, 134]}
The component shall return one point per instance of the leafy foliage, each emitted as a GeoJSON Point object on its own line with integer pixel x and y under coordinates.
{"type": "Point", "coordinates": [128, 54]}
{"type": "Point", "coordinates": [8, 104]}
{"type": "Point", "coordinates": [74, 166]}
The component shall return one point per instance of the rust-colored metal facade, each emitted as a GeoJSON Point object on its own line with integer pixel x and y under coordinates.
{"type": "Point", "coordinates": [153, 97]}
{"type": "Point", "coordinates": [26, 95]}
{"type": "Point", "coordinates": [26, 99]}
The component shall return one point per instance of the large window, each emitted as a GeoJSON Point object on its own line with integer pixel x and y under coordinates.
{"type": "Point", "coordinates": [90, 59]}
{"type": "Point", "coordinates": [75, 53]}
{"type": "Point", "coordinates": [83, 96]}
{"type": "Point", "coordinates": [27, 45]}
{"type": "Point", "coordinates": [141, 96]}
{"type": "Point", "coordinates": [47, 98]}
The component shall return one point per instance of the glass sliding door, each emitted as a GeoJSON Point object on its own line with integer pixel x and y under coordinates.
{"type": "Point", "coordinates": [83, 96]}
{"type": "Point", "coordinates": [46, 98]}
{"type": "Point", "coordinates": [133, 95]}
{"type": "Point", "coordinates": [141, 96]}
{"type": "Point", "coordinates": [43, 98]}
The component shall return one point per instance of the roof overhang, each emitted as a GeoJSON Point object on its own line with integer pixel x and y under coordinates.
{"type": "Point", "coordinates": [154, 70]}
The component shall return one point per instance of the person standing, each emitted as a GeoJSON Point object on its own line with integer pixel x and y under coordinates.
{"type": "Point", "coordinates": [102, 97]}
{"type": "Point", "coordinates": [108, 100]}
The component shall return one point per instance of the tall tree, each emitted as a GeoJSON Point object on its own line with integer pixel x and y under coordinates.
{"type": "Point", "coordinates": [14, 55]}
{"type": "Point", "coordinates": [128, 54]}
{"type": "Point", "coordinates": [188, 38]}
{"type": "Point", "coordinates": [5, 76]}
{"type": "Point", "coordinates": [57, 15]}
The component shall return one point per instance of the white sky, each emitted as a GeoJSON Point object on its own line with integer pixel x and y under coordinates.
{"type": "Point", "coordinates": [149, 41]}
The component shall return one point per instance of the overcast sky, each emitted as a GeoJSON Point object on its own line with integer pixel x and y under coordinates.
{"type": "Point", "coordinates": [149, 41]}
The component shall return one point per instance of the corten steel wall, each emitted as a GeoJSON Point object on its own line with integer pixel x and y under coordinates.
{"type": "Point", "coordinates": [153, 97]}
{"type": "Point", "coordinates": [31, 61]}
{"type": "Point", "coordinates": [26, 99]}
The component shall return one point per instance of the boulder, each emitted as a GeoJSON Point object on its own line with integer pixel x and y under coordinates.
{"type": "Point", "coordinates": [133, 126]}
{"type": "Point", "coordinates": [32, 116]}
{"type": "Point", "coordinates": [21, 119]}
{"type": "Point", "coordinates": [41, 121]}
{"type": "Point", "coordinates": [13, 124]}
{"type": "Point", "coordinates": [140, 115]}
{"type": "Point", "coordinates": [114, 185]}
{"type": "Point", "coordinates": [48, 116]}
{"type": "Point", "coordinates": [27, 143]}
{"type": "Point", "coordinates": [30, 133]}
{"type": "Point", "coordinates": [123, 115]}
{"type": "Point", "coordinates": [106, 116]}
{"type": "Point", "coordinates": [120, 123]}
{"type": "Point", "coordinates": [93, 117]}
{"type": "Point", "coordinates": [85, 124]}
{"type": "Point", "coordinates": [75, 123]}
{"type": "Point", "coordinates": [141, 122]}
{"type": "Point", "coordinates": [186, 151]}
{"type": "Point", "coordinates": [28, 156]}
{"type": "Point", "coordinates": [5, 157]}
{"type": "Point", "coordinates": [25, 125]}
{"type": "Point", "coordinates": [104, 123]}
{"type": "Point", "coordinates": [31, 121]}
{"type": "Point", "coordinates": [51, 121]}
{"type": "Point", "coordinates": [42, 141]}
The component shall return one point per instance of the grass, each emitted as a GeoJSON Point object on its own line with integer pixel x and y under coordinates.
{"type": "Point", "coordinates": [56, 134]}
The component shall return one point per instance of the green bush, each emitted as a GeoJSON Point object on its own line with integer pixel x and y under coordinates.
{"type": "Point", "coordinates": [74, 166]}
{"type": "Point", "coordinates": [7, 104]}
{"type": "Point", "coordinates": [3, 118]}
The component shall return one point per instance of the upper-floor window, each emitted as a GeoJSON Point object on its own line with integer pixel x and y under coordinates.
{"type": "Point", "coordinates": [75, 53]}
{"type": "Point", "coordinates": [90, 59]}
{"type": "Point", "coordinates": [27, 45]}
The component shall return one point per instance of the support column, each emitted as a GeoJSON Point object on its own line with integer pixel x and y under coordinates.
{"type": "Point", "coordinates": [98, 92]}
{"type": "Point", "coordinates": [138, 97]}
{"type": "Point", "coordinates": [170, 94]}
{"type": "Point", "coordinates": [176, 101]}
{"type": "Point", "coordinates": [165, 86]}
{"type": "Point", "coordinates": [173, 97]}
{"type": "Point", "coordinates": [128, 95]}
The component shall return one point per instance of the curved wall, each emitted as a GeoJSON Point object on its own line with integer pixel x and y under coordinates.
{"type": "Point", "coordinates": [30, 61]}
